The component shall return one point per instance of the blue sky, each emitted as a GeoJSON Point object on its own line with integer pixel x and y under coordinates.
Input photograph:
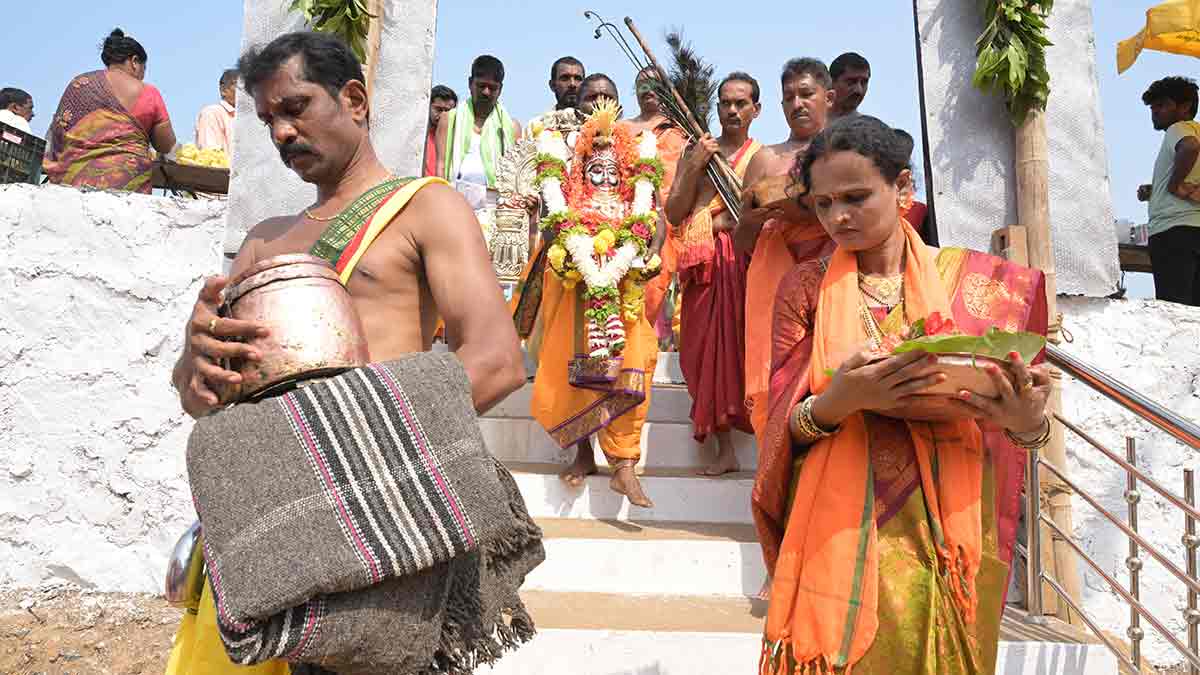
{"type": "Point", "coordinates": [191, 42]}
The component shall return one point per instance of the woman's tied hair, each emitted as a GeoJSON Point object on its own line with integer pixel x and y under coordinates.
{"type": "Point", "coordinates": [890, 150]}
{"type": "Point", "coordinates": [119, 47]}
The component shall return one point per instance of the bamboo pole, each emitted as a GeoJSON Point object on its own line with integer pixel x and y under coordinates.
{"type": "Point", "coordinates": [1033, 212]}
{"type": "Point", "coordinates": [374, 35]}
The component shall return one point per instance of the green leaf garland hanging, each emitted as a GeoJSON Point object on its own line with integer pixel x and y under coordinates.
{"type": "Point", "coordinates": [1011, 54]}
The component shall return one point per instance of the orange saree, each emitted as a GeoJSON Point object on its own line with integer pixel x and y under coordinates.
{"type": "Point", "coordinates": [780, 246]}
{"type": "Point", "coordinates": [906, 528]}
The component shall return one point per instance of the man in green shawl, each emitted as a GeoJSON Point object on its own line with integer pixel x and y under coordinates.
{"type": "Point", "coordinates": [473, 137]}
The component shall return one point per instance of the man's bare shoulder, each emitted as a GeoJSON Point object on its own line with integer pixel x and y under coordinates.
{"type": "Point", "coordinates": [438, 207]}
{"type": "Point", "coordinates": [265, 231]}
{"type": "Point", "coordinates": [270, 228]}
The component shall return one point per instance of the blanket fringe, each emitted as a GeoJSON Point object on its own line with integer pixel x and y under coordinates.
{"type": "Point", "coordinates": [778, 658]}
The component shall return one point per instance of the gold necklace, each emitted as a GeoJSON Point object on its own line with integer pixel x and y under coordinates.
{"type": "Point", "coordinates": [319, 219]}
{"type": "Point", "coordinates": [886, 287]}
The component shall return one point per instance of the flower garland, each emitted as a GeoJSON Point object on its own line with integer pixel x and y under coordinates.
{"type": "Point", "coordinates": [590, 246]}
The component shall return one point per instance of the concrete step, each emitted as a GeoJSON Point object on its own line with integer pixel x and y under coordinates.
{"type": "Point", "coordinates": [680, 559]}
{"type": "Point", "coordinates": [611, 634]}
{"type": "Point", "coordinates": [678, 495]}
{"type": "Point", "coordinates": [664, 445]}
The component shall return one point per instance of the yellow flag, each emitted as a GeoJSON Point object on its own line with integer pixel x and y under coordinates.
{"type": "Point", "coordinates": [1172, 26]}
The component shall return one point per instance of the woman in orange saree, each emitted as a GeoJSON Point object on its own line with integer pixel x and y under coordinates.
{"type": "Point", "coordinates": [888, 539]}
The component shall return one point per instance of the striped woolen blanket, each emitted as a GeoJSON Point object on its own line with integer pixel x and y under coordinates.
{"type": "Point", "coordinates": [359, 523]}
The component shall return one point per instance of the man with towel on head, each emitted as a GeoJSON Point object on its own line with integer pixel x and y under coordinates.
{"type": "Point", "coordinates": [407, 251]}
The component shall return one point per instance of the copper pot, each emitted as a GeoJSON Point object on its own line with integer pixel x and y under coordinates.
{"type": "Point", "coordinates": [315, 330]}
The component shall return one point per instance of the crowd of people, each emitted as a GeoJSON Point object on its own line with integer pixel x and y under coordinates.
{"type": "Point", "coordinates": [887, 525]}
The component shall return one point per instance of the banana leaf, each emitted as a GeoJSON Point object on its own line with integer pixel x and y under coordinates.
{"type": "Point", "coordinates": [995, 343]}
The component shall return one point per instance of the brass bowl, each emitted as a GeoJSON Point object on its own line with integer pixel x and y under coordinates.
{"type": "Point", "coordinates": [315, 330]}
{"type": "Point", "coordinates": [963, 371]}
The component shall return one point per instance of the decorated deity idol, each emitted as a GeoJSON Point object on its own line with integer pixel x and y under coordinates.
{"type": "Point", "coordinates": [601, 208]}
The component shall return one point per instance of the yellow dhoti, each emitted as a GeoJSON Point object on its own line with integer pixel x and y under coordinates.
{"type": "Point", "coordinates": [198, 647]}
{"type": "Point", "coordinates": [574, 397]}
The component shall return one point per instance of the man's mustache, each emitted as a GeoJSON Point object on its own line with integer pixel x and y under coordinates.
{"type": "Point", "coordinates": [288, 151]}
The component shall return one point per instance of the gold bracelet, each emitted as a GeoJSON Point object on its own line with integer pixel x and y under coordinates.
{"type": "Point", "coordinates": [1041, 441]}
{"type": "Point", "coordinates": [803, 424]}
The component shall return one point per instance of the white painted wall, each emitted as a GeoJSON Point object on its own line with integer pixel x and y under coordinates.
{"type": "Point", "coordinates": [1153, 347]}
{"type": "Point", "coordinates": [94, 290]}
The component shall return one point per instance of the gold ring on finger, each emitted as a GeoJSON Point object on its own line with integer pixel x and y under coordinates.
{"type": "Point", "coordinates": [212, 324]}
{"type": "Point", "coordinates": [1027, 387]}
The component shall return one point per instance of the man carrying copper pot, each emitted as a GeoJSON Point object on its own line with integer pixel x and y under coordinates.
{"type": "Point", "coordinates": [406, 251]}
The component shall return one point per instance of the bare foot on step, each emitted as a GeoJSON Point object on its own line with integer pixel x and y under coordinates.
{"type": "Point", "coordinates": [726, 461]}
{"type": "Point", "coordinates": [584, 465]}
{"type": "Point", "coordinates": [625, 481]}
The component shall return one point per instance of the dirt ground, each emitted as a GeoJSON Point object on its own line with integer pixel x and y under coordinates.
{"type": "Point", "coordinates": [61, 631]}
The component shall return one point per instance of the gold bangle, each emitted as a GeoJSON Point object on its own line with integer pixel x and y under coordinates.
{"type": "Point", "coordinates": [802, 423]}
{"type": "Point", "coordinates": [1041, 441]}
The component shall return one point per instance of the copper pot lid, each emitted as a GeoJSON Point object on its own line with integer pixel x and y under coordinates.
{"type": "Point", "coordinates": [308, 266]}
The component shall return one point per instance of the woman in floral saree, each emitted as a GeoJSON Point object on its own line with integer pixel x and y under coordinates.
{"type": "Point", "coordinates": [888, 539]}
{"type": "Point", "coordinates": [106, 123]}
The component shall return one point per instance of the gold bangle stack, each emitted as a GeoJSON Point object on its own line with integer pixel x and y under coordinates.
{"type": "Point", "coordinates": [804, 424]}
{"type": "Point", "coordinates": [1042, 440]}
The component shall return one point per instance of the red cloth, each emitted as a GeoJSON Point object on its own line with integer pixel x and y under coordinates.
{"type": "Point", "coordinates": [712, 347]}
{"type": "Point", "coordinates": [430, 153]}
{"type": "Point", "coordinates": [150, 110]}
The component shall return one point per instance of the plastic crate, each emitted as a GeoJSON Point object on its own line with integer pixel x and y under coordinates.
{"type": "Point", "coordinates": [20, 156]}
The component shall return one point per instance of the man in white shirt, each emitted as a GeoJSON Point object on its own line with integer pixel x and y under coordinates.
{"type": "Point", "coordinates": [1174, 196]}
{"type": "Point", "coordinates": [16, 108]}
{"type": "Point", "coordinates": [214, 124]}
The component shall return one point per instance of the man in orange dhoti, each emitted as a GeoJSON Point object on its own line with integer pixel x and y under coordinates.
{"type": "Point", "coordinates": [713, 276]}
{"type": "Point", "coordinates": [597, 351]}
{"type": "Point", "coordinates": [671, 142]}
{"type": "Point", "coordinates": [780, 234]}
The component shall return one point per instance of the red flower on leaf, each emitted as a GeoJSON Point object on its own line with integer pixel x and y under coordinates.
{"type": "Point", "coordinates": [935, 324]}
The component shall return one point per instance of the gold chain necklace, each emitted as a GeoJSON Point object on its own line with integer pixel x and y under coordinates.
{"type": "Point", "coordinates": [320, 219]}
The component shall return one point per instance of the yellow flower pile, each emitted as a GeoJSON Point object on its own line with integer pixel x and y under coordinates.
{"type": "Point", "coordinates": [211, 157]}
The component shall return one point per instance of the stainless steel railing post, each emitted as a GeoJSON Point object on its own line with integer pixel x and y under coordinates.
{"type": "Point", "coordinates": [1033, 540]}
{"type": "Point", "coordinates": [1133, 562]}
{"type": "Point", "coordinates": [1190, 543]}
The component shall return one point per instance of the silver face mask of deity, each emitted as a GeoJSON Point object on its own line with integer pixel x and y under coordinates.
{"type": "Point", "coordinates": [602, 170]}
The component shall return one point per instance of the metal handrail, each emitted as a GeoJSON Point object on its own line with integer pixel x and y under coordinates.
{"type": "Point", "coordinates": [1183, 430]}
{"type": "Point", "coordinates": [1066, 597]}
{"type": "Point", "coordinates": [1193, 584]}
{"type": "Point", "coordinates": [1133, 602]}
{"type": "Point", "coordinates": [1166, 494]}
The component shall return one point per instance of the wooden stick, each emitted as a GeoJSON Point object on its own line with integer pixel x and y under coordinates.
{"type": "Point", "coordinates": [1033, 211]}
{"type": "Point", "coordinates": [718, 160]}
{"type": "Point", "coordinates": [374, 35]}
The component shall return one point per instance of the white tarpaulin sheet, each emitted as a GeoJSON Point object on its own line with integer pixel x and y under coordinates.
{"type": "Point", "coordinates": [260, 185]}
{"type": "Point", "coordinates": [971, 144]}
